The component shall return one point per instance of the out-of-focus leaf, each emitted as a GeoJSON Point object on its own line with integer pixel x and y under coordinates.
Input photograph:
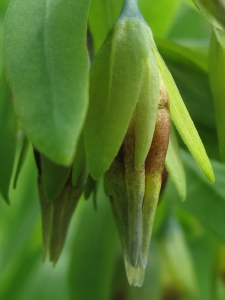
{"type": "Point", "coordinates": [204, 201]}
{"type": "Point", "coordinates": [54, 177]}
{"type": "Point", "coordinates": [8, 137]}
{"type": "Point", "coordinates": [93, 256]}
{"type": "Point", "coordinates": [115, 78]}
{"type": "Point", "coordinates": [46, 64]}
{"type": "Point", "coordinates": [183, 122]}
{"type": "Point", "coordinates": [174, 165]}
{"type": "Point", "coordinates": [22, 158]}
{"type": "Point", "coordinates": [217, 80]}
{"type": "Point", "coordinates": [175, 257]}
{"type": "Point", "coordinates": [102, 15]}
{"type": "Point", "coordinates": [202, 250]}
{"type": "Point", "coordinates": [220, 35]}
{"type": "Point", "coordinates": [213, 11]}
{"type": "Point", "coordinates": [162, 10]}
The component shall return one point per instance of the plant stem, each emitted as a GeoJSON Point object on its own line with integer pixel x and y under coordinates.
{"type": "Point", "coordinates": [130, 8]}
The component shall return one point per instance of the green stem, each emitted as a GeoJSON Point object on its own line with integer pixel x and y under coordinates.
{"type": "Point", "coordinates": [130, 9]}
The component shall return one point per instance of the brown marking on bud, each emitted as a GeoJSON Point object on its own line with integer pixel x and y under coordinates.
{"type": "Point", "coordinates": [157, 153]}
{"type": "Point", "coordinates": [154, 165]}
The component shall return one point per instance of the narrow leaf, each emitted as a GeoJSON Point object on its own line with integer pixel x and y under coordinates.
{"type": "Point", "coordinates": [45, 41]}
{"type": "Point", "coordinates": [46, 218]}
{"type": "Point", "coordinates": [174, 165]}
{"type": "Point", "coordinates": [63, 209]}
{"type": "Point", "coordinates": [54, 177]}
{"type": "Point", "coordinates": [146, 110]}
{"type": "Point", "coordinates": [8, 137]}
{"type": "Point", "coordinates": [183, 122]}
{"type": "Point", "coordinates": [213, 11]}
{"type": "Point", "coordinates": [79, 161]}
{"type": "Point", "coordinates": [22, 158]}
{"type": "Point", "coordinates": [217, 81]}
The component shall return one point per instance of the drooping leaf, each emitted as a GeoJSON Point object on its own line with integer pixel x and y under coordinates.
{"type": "Point", "coordinates": [102, 15]}
{"type": "Point", "coordinates": [63, 209]}
{"type": "Point", "coordinates": [162, 10]}
{"type": "Point", "coordinates": [174, 165]}
{"type": "Point", "coordinates": [115, 78]}
{"type": "Point", "coordinates": [47, 67]}
{"type": "Point", "coordinates": [146, 110]}
{"type": "Point", "coordinates": [217, 81]}
{"type": "Point", "coordinates": [204, 201]}
{"type": "Point", "coordinates": [79, 161]}
{"type": "Point", "coordinates": [54, 177]}
{"type": "Point", "coordinates": [22, 158]}
{"type": "Point", "coordinates": [46, 218]}
{"type": "Point", "coordinates": [213, 11]}
{"type": "Point", "coordinates": [183, 122]}
{"type": "Point", "coordinates": [189, 68]}
{"type": "Point", "coordinates": [8, 137]}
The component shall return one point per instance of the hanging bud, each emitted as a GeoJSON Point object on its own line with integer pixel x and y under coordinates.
{"type": "Point", "coordinates": [127, 130]}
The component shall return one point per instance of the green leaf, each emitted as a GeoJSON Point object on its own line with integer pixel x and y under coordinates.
{"type": "Point", "coordinates": [115, 78]}
{"type": "Point", "coordinates": [93, 253]}
{"type": "Point", "coordinates": [8, 137]}
{"type": "Point", "coordinates": [183, 122]}
{"type": "Point", "coordinates": [63, 209]}
{"type": "Point", "coordinates": [102, 15]}
{"type": "Point", "coordinates": [146, 110]}
{"type": "Point", "coordinates": [204, 201]}
{"type": "Point", "coordinates": [174, 165]}
{"type": "Point", "coordinates": [54, 178]}
{"type": "Point", "coordinates": [162, 10]}
{"type": "Point", "coordinates": [22, 158]}
{"type": "Point", "coordinates": [46, 42]}
{"type": "Point", "coordinates": [217, 81]}
{"type": "Point", "coordinates": [189, 68]}
{"type": "Point", "coordinates": [79, 161]}
{"type": "Point", "coordinates": [46, 218]}
{"type": "Point", "coordinates": [175, 257]}
{"type": "Point", "coordinates": [213, 11]}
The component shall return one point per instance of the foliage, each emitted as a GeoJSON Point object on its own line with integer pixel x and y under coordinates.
{"type": "Point", "coordinates": [62, 127]}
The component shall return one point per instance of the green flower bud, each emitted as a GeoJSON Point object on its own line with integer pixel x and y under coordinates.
{"type": "Point", "coordinates": [127, 130]}
{"type": "Point", "coordinates": [123, 77]}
